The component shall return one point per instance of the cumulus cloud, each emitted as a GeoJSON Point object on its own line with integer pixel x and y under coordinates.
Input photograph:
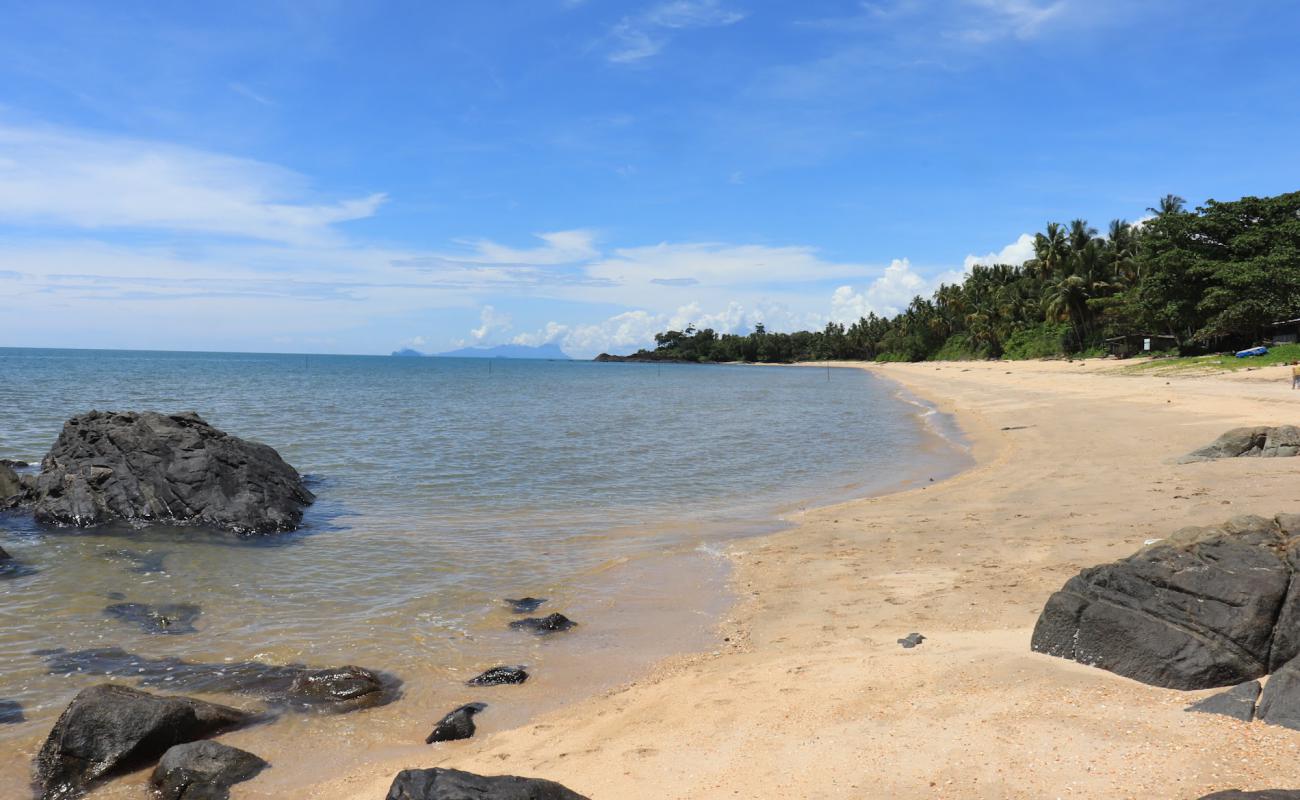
{"type": "Point", "coordinates": [61, 178]}
{"type": "Point", "coordinates": [638, 37]}
{"type": "Point", "coordinates": [1014, 254]}
{"type": "Point", "coordinates": [491, 322]}
{"type": "Point", "coordinates": [888, 294]}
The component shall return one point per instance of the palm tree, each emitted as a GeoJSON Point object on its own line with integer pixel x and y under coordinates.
{"type": "Point", "coordinates": [1067, 301]}
{"type": "Point", "coordinates": [1049, 249]}
{"type": "Point", "coordinates": [1169, 204]}
{"type": "Point", "coordinates": [1080, 234]}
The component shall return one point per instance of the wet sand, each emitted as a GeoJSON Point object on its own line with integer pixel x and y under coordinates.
{"type": "Point", "coordinates": [806, 693]}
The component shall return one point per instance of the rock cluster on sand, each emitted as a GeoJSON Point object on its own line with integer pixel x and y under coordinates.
{"type": "Point", "coordinates": [203, 770]}
{"type": "Point", "coordinates": [172, 468]}
{"type": "Point", "coordinates": [1261, 442]}
{"type": "Point", "coordinates": [452, 784]}
{"type": "Point", "coordinates": [1206, 607]}
{"type": "Point", "coordinates": [110, 728]}
{"type": "Point", "coordinates": [1266, 794]}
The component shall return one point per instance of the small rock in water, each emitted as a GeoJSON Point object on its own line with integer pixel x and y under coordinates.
{"type": "Point", "coordinates": [452, 784]}
{"type": "Point", "coordinates": [1238, 702]}
{"type": "Point", "coordinates": [911, 640]}
{"type": "Point", "coordinates": [13, 463]}
{"type": "Point", "coordinates": [459, 724]}
{"type": "Point", "coordinates": [173, 619]}
{"type": "Point", "coordinates": [11, 712]}
{"type": "Point", "coordinates": [499, 675]}
{"type": "Point", "coordinates": [203, 770]}
{"type": "Point", "coordinates": [525, 605]}
{"type": "Point", "coordinates": [544, 625]}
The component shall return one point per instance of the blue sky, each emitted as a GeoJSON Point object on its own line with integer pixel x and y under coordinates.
{"type": "Point", "coordinates": [356, 177]}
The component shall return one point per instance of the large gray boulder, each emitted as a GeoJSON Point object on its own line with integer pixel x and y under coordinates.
{"type": "Point", "coordinates": [1261, 441]}
{"type": "Point", "coordinates": [452, 784]}
{"type": "Point", "coordinates": [172, 468]}
{"type": "Point", "coordinates": [203, 770]}
{"type": "Point", "coordinates": [108, 729]}
{"type": "Point", "coordinates": [1204, 608]}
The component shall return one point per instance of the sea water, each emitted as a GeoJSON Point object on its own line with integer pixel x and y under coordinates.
{"type": "Point", "coordinates": [443, 485]}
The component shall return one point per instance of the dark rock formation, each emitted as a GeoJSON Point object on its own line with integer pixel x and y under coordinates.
{"type": "Point", "coordinates": [173, 619]}
{"type": "Point", "coordinates": [525, 605]}
{"type": "Point", "coordinates": [13, 464]}
{"type": "Point", "coordinates": [911, 640]}
{"type": "Point", "coordinates": [11, 712]}
{"type": "Point", "coordinates": [109, 729]}
{"type": "Point", "coordinates": [1264, 794]}
{"type": "Point", "coordinates": [544, 625]}
{"type": "Point", "coordinates": [1194, 611]}
{"type": "Point", "coordinates": [452, 784]}
{"type": "Point", "coordinates": [203, 770]}
{"type": "Point", "coordinates": [165, 468]}
{"type": "Point", "coordinates": [143, 563]}
{"type": "Point", "coordinates": [1263, 441]}
{"type": "Point", "coordinates": [292, 686]}
{"type": "Point", "coordinates": [498, 676]}
{"type": "Point", "coordinates": [1279, 704]}
{"type": "Point", "coordinates": [12, 489]}
{"type": "Point", "coordinates": [1238, 702]}
{"type": "Point", "coordinates": [459, 724]}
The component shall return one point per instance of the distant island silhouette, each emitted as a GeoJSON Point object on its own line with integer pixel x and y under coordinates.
{"type": "Point", "coordinates": [545, 351]}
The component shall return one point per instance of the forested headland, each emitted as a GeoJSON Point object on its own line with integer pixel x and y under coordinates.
{"type": "Point", "coordinates": [1213, 278]}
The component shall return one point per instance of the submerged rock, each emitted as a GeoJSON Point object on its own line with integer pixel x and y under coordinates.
{"type": "Point", "coordinates": [173, 619]}
{"type": "Point", "coordinates": [498, 676]}
{"type": "Point", "coordinates": [911, 640]}
{"type": "Point", "coordinates": [142, 562]}
{"type": "Point", "coordinates": [459, 724]}
{"type": "Point", "coordinates": [525, 605]}
{"type": "Point", "coordinates": [165, 468]}
{"type": "Point", "coordinates": [11, 712]}
{"type": "Point", "coordinates": [294, 686]}
{"type": "Point", "coordinates": [1206, 607]}
{"type": "Point", "coordinates": [203, 770]}
{"type": "Point", "coordinates": [544, 625]}
{"type": "Point", "coordinates": [11, 567]}
{"type": "Point", "coordinates": [1263, 442]}
{"type": "Point", "coordinates": [108, 729]}
{"type": "Point", "coordinates": [13, 463]}
{"type": "Point", "coordinates": [452, 784]}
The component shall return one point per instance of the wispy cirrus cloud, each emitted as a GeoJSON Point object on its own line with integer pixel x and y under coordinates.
{"type": "Point", "coordinates": [638, 37]}
{"type": "Point", "coordinates": [53, 177]}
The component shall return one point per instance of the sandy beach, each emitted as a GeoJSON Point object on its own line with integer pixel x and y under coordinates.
{"type": "Point", "coordinates": [808, 695]}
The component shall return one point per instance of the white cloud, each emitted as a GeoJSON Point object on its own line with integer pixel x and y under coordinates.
{"type": "Point", "coordinates": [491, 322]}
{"type": "Point", "coordinates": [886, 296]}
{"type": "Point", "coordinates": [639, 37]}
{"type": "Point", "coordinates": [61, 178]}
{"type": "Point", "coordinates": [561, 247]}
{"type": "Point", "coordinates": [1014, 254]}
{"type": "Point", "coordinates": [1020, 19]}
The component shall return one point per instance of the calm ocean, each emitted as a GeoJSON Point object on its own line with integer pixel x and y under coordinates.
{"type": "Point", "coordinates": [444, 485]}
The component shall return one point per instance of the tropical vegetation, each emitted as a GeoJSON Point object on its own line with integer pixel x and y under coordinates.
{"type": "Point", "coordinates": [1213, 278]}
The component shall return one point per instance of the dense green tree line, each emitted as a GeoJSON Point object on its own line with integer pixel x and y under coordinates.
{"type": "Point", "coordinates": [1213, 278]}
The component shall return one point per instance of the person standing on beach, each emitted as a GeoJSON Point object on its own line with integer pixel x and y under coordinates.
{"type": "Point", "coordinates": [1295, 374]}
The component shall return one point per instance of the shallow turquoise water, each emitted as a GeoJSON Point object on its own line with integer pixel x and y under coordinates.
{"type": "Point", "coordinates": [443, 485]}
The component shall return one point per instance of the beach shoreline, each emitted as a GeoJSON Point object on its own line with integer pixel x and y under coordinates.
{"type": "Point", "coordinates": [808, 695]}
